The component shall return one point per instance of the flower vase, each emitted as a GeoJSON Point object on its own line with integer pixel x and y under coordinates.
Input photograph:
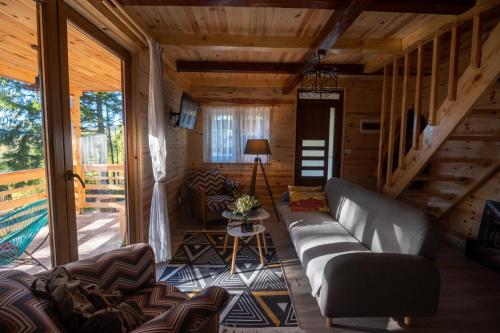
{"type": "Point", "coordinates": [245, 225]}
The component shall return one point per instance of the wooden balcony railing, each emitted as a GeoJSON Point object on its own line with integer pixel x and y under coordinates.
{"type": "Point", "coordinates": [105, 188]}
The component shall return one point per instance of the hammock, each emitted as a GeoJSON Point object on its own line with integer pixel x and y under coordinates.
{"type": "Point", "coordinates": [18, 228]}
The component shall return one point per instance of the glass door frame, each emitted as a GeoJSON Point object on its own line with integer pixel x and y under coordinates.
{"type": "Point", "coordinates": [58, 141]}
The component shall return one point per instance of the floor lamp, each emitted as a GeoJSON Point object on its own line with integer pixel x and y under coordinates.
{"type": "Point", "coordinates": [259, 147]}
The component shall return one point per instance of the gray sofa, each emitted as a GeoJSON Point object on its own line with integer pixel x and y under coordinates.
{"type": "Point", "coordinates": [370, 256]}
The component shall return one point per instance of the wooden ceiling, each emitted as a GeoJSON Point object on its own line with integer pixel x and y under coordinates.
{"type": "Point", "coordinates": [277, 31]}
{"type": "Point", "coordinates": [92, 67]}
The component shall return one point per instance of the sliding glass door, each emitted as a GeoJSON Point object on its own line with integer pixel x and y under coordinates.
{"type": "Point", "coordinates": [97, 142]}
{"type": "Point", "coordinates": [66, 163]}
{"type": "Point", "coordinates": [24, 219]}
{"type": "Point", "coordinates": [96, 70]}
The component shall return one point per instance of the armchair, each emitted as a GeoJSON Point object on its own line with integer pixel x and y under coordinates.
{"type": "Point", "coordinates": [210, 193]}
{"type": "Point", "coordinates": [130, 270]}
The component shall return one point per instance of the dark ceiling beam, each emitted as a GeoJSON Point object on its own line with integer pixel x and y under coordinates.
{"type": "Point", "coordinates": [329, 34]}
{"type": "Point", "coordinates": [443, 7]}
{"type": "Point", "coordinates": [312, 4]}
{"type": "Point", "coordinates": [257, 67]}
{"type": "Point", "coordinates": [448, 7]}
{"type": "Point", "coordinates": [236, 67]}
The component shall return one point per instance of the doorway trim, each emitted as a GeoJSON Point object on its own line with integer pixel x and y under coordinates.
{"type": "Point", "coordinates": [338, 104]}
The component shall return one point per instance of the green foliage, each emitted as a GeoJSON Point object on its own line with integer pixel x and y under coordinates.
{"type": "Point", "coordinates": [101, 113]}
{"type": "Point", "coordinates": [20, 127]}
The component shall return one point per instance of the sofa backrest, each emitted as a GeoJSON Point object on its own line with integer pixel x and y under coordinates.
{"type": "Point", "coordinates": [382, 224]}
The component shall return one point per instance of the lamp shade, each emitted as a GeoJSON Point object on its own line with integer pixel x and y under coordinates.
{"type": "Point", "coordinates": [257, 147]}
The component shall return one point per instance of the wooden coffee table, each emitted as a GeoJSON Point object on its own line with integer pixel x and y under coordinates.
{"type": "Point", "coordinates": [259, 218]}
{"type": "Point", "coordinates": [234, 229]}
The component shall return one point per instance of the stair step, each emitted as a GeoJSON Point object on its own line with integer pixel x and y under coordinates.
{"type": "Point", "coordinates": [481, 138]}
{"type": "Point", "coordinates": [427, 194]}
{"type": "Point", "coordinates": [461, 160]}
{"type": "Point", "coordinates": [441, 178]}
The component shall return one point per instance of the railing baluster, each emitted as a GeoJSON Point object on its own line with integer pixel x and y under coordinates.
{"type": "Point", "coordinates": [404, 113]}
{"type": "Point", "coordinates": [453, 70]}
{"type": "Point", "coordinates": [382, 138]}
{"type": "Point", "coordinates": [433, 101]}
{"type": "Point", "coordinates": [392, 121]}
{"type": "Point", "coordinates": [418, 99]}
{"type": "Point", "coordinates": [475, 54]}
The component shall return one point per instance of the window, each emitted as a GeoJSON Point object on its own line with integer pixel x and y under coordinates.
{"type": "Point", "coordinates": [227, 128]}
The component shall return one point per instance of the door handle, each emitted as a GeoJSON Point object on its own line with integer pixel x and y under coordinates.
{"type": "Point", "coordinates": [71, 175]}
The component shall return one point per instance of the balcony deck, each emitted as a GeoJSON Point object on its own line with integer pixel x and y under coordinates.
{"type": "Point", "coordinates": [100, 210]}
{"type": "Point", "coordinates": [97, 233]}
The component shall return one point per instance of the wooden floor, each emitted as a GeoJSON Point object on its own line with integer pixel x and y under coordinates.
{"type": "Point", "coordinates": [470, 293]}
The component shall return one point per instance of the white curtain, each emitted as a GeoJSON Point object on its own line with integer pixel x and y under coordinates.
{"type": "Point", "coordinates": [159, 228]}
{"type": "Point", "coordinates": [227, 128]}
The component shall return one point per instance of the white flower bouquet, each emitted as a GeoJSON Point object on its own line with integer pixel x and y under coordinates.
{"type": "Point", "coordinates": [245, 204]}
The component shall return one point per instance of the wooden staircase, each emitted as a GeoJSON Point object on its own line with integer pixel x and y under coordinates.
{"type": "Point", "coordinates": [459, 149]}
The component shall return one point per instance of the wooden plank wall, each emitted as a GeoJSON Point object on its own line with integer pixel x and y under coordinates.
{"type": "Point", "coordinates": [362, 101]}
{"type": "Point", "coordinates": [363, 98]}
{"type": "Point", "coordinates": [177, 144]}
{"type": "Point", "coordinates": [464, 220]}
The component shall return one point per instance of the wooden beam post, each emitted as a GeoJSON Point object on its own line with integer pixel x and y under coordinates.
{"type": "Point", "coordinates": [392, 121]}
{"type": "Point", "coordinates": [418, 98]}
{"type": "Point", "coordinates": [453, 69]}
{"type": "Point", "coordinates": [383, 137]}
{"type": "Point", "coordinates": [75, 147]}
{"type": "Point", "coordinates": [404, 113]}
{"type": "Point", "coordinates": [434, 98]}
{"type": "Point", "coordinates": [475, 53]}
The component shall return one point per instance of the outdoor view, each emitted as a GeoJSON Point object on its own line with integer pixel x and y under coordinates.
{"type": "Point", "coordinates": [97, 133]}
{"type": "Point", "coordinates": [98, 149]}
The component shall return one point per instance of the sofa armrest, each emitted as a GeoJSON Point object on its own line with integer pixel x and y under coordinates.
{"type": "Point", "coordinates": [193, 315]}
{"type": "Point", "coordinates": [379, 284]}
{"type": "Point", "coordinates": [126, 269]}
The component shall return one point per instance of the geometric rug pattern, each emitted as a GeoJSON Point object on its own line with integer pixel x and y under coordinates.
{"type": "Point", "coordinates": [259, 294]}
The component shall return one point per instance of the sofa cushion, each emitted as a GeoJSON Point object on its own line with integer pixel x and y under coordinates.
{"type": "Point", "coordinates": [157, 298]}
{"type": "Point", "coordinates": [20, 310]}
{"type": "Point", "coordinates": [382, 224]}
{"type": "Point", "coordinates": [317, 238]}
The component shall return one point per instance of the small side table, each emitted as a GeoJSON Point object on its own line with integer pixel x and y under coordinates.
{"type": "Point", "coordinates": [260, 217]}
{"type": "Point", "coordinates": [234, 229]}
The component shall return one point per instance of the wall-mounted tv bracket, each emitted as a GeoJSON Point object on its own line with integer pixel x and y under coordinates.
{"type": "Point", "coordinates": [175, 114]}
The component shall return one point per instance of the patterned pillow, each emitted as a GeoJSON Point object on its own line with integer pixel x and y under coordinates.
{"type": "Point", "coordinates": [126, 269]}
{"type": "Point", "coordinates": [231, 186]}
{"type": "Point", "coordinates": [209, 181]}
{"type": "Point", "coordinates": [20, 310]}
{"type": "Point", "coordinates": [308, 201]}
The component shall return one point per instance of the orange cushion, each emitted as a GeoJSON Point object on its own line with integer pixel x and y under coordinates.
{"type": "Point", "coordinates": [292, 188]}
{"type": "Point", "coordinates": [308, 201]}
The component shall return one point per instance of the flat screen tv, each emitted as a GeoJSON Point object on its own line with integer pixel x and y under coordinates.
{"type": "Point", "coordinates": [188, 113]}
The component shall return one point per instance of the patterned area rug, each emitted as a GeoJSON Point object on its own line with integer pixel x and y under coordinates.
{"type": "Point", "coordinates": [259, 294]}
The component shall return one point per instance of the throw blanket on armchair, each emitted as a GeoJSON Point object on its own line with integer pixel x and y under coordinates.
{"type": "Point", "coordinates": [86, 308]}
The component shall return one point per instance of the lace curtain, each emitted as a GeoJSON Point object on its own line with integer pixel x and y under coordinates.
{"type": "Point", "coordinates": [227, 128]}
{"type": "Point", "coordinates": [159, 227]}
